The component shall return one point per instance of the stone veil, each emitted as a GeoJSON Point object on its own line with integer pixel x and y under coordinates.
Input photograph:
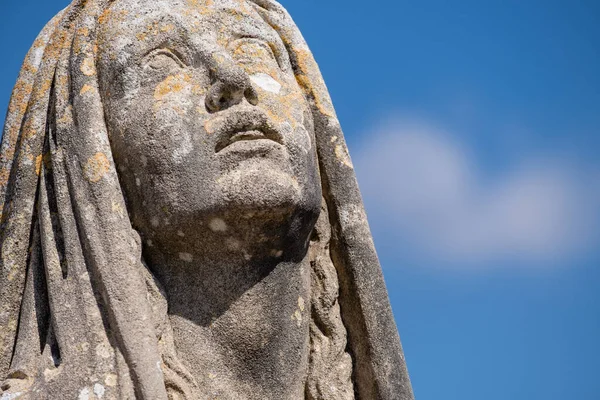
{"type": "Point", "coordinates": [82, 313]}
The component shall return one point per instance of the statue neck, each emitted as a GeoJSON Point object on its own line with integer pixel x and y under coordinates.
{"type": "Point", "coordinates": [239, 322]}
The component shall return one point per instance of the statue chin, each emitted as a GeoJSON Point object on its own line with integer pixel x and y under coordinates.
{"type": "Point", "coordinates": [260, 205]}
{"type": "Point", "coordinates": [260, 190]}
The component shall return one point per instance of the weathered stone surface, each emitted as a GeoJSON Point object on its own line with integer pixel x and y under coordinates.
{"type": "Point", "coordinates": [180, 215]}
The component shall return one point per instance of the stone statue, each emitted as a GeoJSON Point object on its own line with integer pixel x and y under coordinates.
{"type": "Point", "coordinates": [180, 216]}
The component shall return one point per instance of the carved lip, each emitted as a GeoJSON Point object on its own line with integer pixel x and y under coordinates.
{"type": "Point", "coordinates": [243, 124]}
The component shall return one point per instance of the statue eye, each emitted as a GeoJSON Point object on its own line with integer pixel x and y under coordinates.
{"type": "Point", "coordinates": [163, 60]}
{"type": "Point", "coordinates": [250, 51]}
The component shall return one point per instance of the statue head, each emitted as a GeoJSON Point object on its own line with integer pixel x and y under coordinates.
{"type": "Point", "coordinates": [199, 129]}
{"type": "Point", "coordinates": [207, 122]}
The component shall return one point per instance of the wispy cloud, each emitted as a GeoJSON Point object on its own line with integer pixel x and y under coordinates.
{"type": "Point", "coordinates": [425, 188]}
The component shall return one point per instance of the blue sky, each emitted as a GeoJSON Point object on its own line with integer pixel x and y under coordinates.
{"type": "Point", "coordinates": [474, 128]}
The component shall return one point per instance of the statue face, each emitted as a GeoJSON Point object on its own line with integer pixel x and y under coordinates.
{"type": "Point", "coordinates": [207, 123]}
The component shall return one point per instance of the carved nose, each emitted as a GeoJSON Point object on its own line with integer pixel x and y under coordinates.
{"type": "Point", "coordinates": [232, 87]}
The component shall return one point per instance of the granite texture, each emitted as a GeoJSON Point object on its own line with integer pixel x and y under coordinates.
{"type": "Point", "coordinates": [181, 218]}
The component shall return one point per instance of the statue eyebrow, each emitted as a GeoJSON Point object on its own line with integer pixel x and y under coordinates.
{"type": "Point", "coordinates": [176, 39]}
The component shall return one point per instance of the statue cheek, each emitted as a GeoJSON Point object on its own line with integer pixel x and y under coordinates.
{"type": "Point", "coordinates": [175, 93]}
{"type": "Point", "coordinates": [266, 82]}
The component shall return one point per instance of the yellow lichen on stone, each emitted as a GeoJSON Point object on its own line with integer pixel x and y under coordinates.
{"type": "Point", "coordinates": [40, 92]}
{"type": "Point", "coordinates": [198, 90]}
{"type": "Point", "coordinates": [3, 176]}
{"type": "Point", "coordinates": [96, 167]}
{"type": "Point", "coordinates": [198, 3]}
{"type": "Point", "coordinates": [172, 84]}
{"type": "Point", "coordinates": [167, 28]}
{"type": "Point", "coordinates": [84, 31]}
{"type": "Point", "coordinates": [104, 16]}
{"type": "Point", "coordinates": [311, 73]}
{"type": "Point", "coordinates": [39, 43]}
{"type": "Point", "coordinates": [29, 131]}
{"type": "Point", "coordinates": [154, 29]}
{"type": "Point", "coordinates": [86, 88]}
{"type": "Point", "coordinates": [19, 98]}
{"type": "Point", "coordinates": [38, 164]}
{"type": "Point", "coordinates": [87, 67]}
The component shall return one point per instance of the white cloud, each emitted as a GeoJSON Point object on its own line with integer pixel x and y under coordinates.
{"type": "Point", "coordinates": [425, 189]}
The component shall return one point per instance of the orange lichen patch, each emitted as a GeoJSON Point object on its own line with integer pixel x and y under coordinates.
{"type": "Point", "coordinates": [87, 67]}
{"type": "Point", "coordinates": [96, 167]}
{"type": "Point", "coordinates": [82, 45]}
{"type": "Point", "coordinates": [86, 88]}
{"type": "Point", "coordinates": [29, 156]}
{"type": "Point", "coordinates": [29, 131]}
{"type": "Point", "coordinates": [83, 31]}
{"type": "Point", "coordinates": [172, 84]}
{"type": "Point", "coordinates": [62, 80]}
{"type": "Point", "coordinates": [4, 176]}
{"type": "Point", "coordinates": [283, 108]}
{"type": "Point", "coordinates": [311, 73]}
{"type": "Point", "coordinates": [29, 68]}
{"type": "Point", "coordinates": [20, 98]}
{"type": "Point", "coordinates": [200, 4]}
{"type": "Point", "coordinates": [198, 89]}
{"type": "Point", "coordinates": [193, 11]}
{"type": "Point", "coordinates": [42, 91]}
{"type": "Point", "coordinates": [104, 16]}
{"type": "Point", "coordinates": [39, 43]}
{"type": "Point", "coordinates": [38, 164]}
{"type": "Point", "coordinates": [273, 116]}
{"type": "Point", "coordinates": [167, 28]}
{"type": "Point", "coordinates": [154, 29]}
{"type": "Point", "coordinates": [42, 159]}
{"type": "Point", "coordinates": [238, 14]}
